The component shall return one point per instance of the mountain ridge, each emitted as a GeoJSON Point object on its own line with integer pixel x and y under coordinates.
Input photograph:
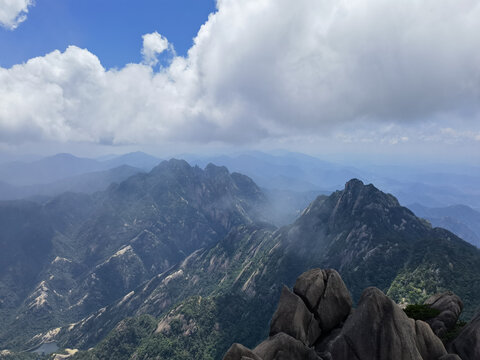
{"type": "Point", "coordinates": [361, 231]}
{"type": "Point", "coordinates": [116, 239]}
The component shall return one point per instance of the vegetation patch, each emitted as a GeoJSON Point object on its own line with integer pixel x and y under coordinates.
{"type": "Point", "coordinates": [421, 312]}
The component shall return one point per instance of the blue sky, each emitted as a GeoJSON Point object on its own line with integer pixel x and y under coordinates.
{"type": "Point", "coordinates": [362, 77]}
{"type": "Point", "coordinates": [111, 29]}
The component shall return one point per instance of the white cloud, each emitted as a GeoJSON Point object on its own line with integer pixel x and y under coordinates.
{"type": "Point", "coordinates": [13, 12]}
{"type": "Point", "coordinates": [264, 69]}
{"type": "Point", "coordinates": [153, 45]}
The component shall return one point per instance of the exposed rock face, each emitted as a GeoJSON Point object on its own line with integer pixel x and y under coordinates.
{"type": "Point", "coordinates": [450, 307]}
{"type": "Point", "coordinates": [326, 295]}
{"type": "Point", "coordinates": [310, 286]}
{"type": "Point", "coordinates": [467, 343]}
{"type": "Point", "coordinates": [450, 357]}
{"type": "Point", "coordinates": [428, 345]}
{"type": "Point", "coordinates": [377, 329]}
{"type": "Point", "coordinates": [284, 347]}
{"type": "Point", "coordinates": [238, 351]}
{"type": "Point", "coordinates": [293, 318]}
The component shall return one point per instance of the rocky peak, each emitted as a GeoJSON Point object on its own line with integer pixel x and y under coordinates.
{"type": "Point", "coordinates": [356, 202]}
{"type": "Point", "coordinates": [214, 171]}
{"type": "Point", "coordinates": [173, 165]}
{"type": "Point", "coordinates": [354, 185]}
{"type": "Point", "coordinates": [356, 196]}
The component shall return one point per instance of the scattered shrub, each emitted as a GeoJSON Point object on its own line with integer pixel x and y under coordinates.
{"type": "Point", "coordinates": [421, 312]}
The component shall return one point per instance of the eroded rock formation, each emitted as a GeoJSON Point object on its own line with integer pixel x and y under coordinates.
{"type": "Point", "coordinates": [450, 307]}
{"type": "Point", "coordinates": [316, 321]}
{"type": "Point", "coordinates": [467, 343]}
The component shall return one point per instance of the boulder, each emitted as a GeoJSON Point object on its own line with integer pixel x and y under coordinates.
{"type": "Point", "coordinates": [429, 345]}
{"type": "Point", "coordinates": [292, 317]}
{"type": "Point", "coordinates": [450, 307]}
{"type": "Point", "coordinates": [240, 352]}
{"type": "Point", "coordinates": [378, 329]}
{"type": "Point", "coordinates": [450, 357]}
{"type": "Point", "coordinates": [284, 347]}
{"type": "Point", "coordinates": [310, 286]}
{"type": "Point", "coordinates": [335, 303]}
{"type": "Point", "coordinates": [326, 295]}
{"type": "Point", "coordinates": [467, 343]}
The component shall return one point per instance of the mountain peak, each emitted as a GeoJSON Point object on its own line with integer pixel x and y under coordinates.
{"type": "Point", "coordinates": [62, 156]}
{"type": "Point", "coordinates": [214, 170]}
{"type": "Point", "coordinates": [172, 164]}
{"type": "Point", "coordinates": [356, 194]}
{"type": "Point", "coordinates": [356, 205]}
{"type": "Point", "coordinates": [354, 184]}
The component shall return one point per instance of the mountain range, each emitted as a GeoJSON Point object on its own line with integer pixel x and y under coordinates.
{"type": "Point", "coordinates": [60, 173]}
{"type": "Point", "coordinates": [459, 219]}
{"type": "Point", "coordinates": [71, 255]}
{"type": "Point", "coordinates": [289, 180]}
{"type": "Point", "coordinates": [185, 261]}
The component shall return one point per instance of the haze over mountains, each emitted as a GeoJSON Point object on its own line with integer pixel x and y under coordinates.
{"type": "Point", "coordinates": [64, 172]}
{"type": "Point", "coordinates": [289, 180]}
{"type": "Point", "coordinates": [194, 251]}
{"type": "Point", "coordinates": [73, 254]}
{"type": "Point", "coordinates": [271, 138]}
{"type": "Point", "coordinates": [460, 219]}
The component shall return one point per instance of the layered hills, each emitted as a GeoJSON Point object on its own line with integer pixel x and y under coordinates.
{"type": "Point", "coordinates": [459, 219]}
{"type": "Point", "coordinates": [180, 263]}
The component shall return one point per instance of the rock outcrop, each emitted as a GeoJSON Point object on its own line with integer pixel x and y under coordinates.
{"type": "Point", "coordinates": [379, 329]}
{"type": "Point", "coordinates": [284, 347]}
{"type": "Point", "coordinates": [316, 322]}
{"type": "Point", "coordinates": [467, 343]}
{"type": "Point", "coordinates": [238, 351]}
{"type": "Point", "coordinates": [450, 307]}
{"type": "Point", "coordinates": [326, 295]}
{"type": "Point", "coordinates": [293, 318]}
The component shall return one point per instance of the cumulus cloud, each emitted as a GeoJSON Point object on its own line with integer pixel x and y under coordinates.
{"type": "Point", "coordinates": [13, 12]}
{"type": "Point", "coordinates": [153, 45]}
{"type": "Point", "coordinates": [263, 69]}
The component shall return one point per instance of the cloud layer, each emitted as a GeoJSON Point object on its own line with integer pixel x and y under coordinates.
{"type": "Point", "coordinates": [13, 12]}
{"type": "Point", "coordinates": [264, 69]}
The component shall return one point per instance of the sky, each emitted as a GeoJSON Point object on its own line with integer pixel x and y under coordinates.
{"type": "Point", "coordinates": [362, 77]}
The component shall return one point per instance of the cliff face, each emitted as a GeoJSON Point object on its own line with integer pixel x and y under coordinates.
{"type": "Point", "coordinates": [316, 321]}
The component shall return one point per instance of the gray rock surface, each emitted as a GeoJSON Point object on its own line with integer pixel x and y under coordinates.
{"type": "Point", "coordinates": [240, 352]}
{"type": "Point", "coordinates": [379, 329]}
{"type": "Point", "coordinates": [293, 318]}
{"type": "Point", "coordinates": [335, 303]}
{"type": "Point", "coordinates": [325, 293]}
{"type": "Point", "coordinates": [467, 343]}
{"type": "Point", "coordinates": [310, 286]}
{"type": "Point", "coordinates": [285, 347]}
{"type": "Point", "coordinates": [450, 307]}
{"type": "Point", "coordinates": [450, 357]}
{"type": "Point", "coordinates": [429, 345]}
